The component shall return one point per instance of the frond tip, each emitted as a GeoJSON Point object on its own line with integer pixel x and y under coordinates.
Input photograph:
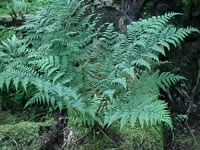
{"type": "Point", "coordinates": [166, 79]}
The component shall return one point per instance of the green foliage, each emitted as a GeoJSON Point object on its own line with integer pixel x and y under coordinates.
{"type": "Point", "coordinates": [3, 11]}
{"type": "Point", "coordinates": [99, 77]}
{"type": "Point", "coordinates": [19, 6]}
{"type": "Point", "coordinates": [6, 32]}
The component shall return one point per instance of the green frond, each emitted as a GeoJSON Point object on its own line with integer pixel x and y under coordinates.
{"type": "Point", "coordinates": [121, 81]}
{"type": "Point", "coordinates": [150, 56]}
{"type": "Point", "coordinates": [141, 62]}
{"type": "Point", "coordinates": [158, 49]}
{"type": "Point", "coordinates": [39, 98]}
{"type": "Point", "coordinates": [109, 93]}
{"type": "Point", "coordinates": [108, 38]}
{"type": "Point", "coordinates": [130, 71]}
{"type": "Point", "coordinates": [166, 79]}
{"type": "Point", "coordinates": [143, 110]}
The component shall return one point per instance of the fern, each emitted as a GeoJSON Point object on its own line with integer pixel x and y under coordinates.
{"type": "Point", "coordinates": [165, 79]}
{"type": "Point", "coordinates": [99, 77]}
{"type": "Point", "coordinates": [147, 110]}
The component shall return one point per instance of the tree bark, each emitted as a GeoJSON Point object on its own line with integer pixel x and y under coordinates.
{"type": "Point", "coordinates": [132, 8]}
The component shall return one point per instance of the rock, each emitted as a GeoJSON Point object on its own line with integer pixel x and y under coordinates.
{"type": "Point", "coordinates": [112, 15]}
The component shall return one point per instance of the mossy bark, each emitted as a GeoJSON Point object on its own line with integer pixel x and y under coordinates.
{"type": "Point", "coordinates": [16, 134]}
{"type": "Point", "coordinates": [148, 138]}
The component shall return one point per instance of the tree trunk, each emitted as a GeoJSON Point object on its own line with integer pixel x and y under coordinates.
{"type": "Point", "coordinates": [132, 8]}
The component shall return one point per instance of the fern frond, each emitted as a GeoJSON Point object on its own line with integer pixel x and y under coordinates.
{"type": "Point", "coordinates": [141, 62]}
{"type": "Point", "coordinates": [166, 79]}
{"type": "Point", "coordinates": [142, 110]}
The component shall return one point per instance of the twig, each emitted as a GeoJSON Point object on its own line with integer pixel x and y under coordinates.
{"type": "Point", "coordinates": [140, 143]}
{"type": "Point", "coordinates": [191, 132]}
{"type": "Point", "coordinates": [82, 137]}
{"type": "Point", "coordinates": [12, 140]}
{"type": "Point", "coordinates": [107, 135]}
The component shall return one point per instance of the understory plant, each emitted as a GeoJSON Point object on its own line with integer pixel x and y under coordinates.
{"type": "Point", "coordinates": [17, 9]}
{"type": "Point", "coordinates": [100, 77]}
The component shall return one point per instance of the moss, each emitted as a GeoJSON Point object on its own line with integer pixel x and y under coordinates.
{"type": "Point", "coordinates": [22, 135]}
{"type": "Point", "coordinates": [9, 119]}
{"type": "Point", "coordinates": [17, 134]}
{"type": "Point", "coordinates": [149, 138]}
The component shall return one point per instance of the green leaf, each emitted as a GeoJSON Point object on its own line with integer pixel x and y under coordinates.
{"type": "Point", "coordinates": [133, 120]}
{"type": "Point", "coordinates": [109, 93]}
{"type": "Point", "coordinates": [121, 81]}
{"type": "Point", "coordinates": [141, 62]}
{"type": "Point", "coordinates": [124, 120]}
{"type": "Point", "coordinates": [130, 71]}
{"type": "Point", "coordinates": [57, 76]}
{"type": "Point", "coordinates": [16, 83]}
{"type": "Point", "coordinates": [158, 49]}
{"type": "Point", "coordinates": [7, 83]}
{"type": "Point", "coordinates": [60, 105]}
{"type": "Point", "coordinates": [25, 83]}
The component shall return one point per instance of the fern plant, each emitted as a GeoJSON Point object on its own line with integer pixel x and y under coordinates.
{"type": "Point", "coordinates": [98, 77]}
